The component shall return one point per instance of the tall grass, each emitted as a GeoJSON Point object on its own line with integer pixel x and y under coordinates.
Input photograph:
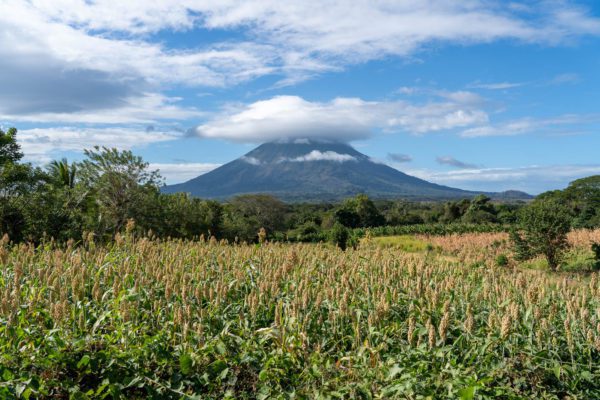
{"type": "Point", "coordinates": [175, 319]}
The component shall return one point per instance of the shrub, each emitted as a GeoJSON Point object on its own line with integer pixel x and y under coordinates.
{"type": "Point", "coordinates": [502, 260]}
{"type": "Point", "coordinates": [339, 235]}
{"type": "Point", "coordinates": [596, 250]}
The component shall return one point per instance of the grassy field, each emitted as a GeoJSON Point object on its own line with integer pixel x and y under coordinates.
{"type": "Point", "coordinates": [409, 318]}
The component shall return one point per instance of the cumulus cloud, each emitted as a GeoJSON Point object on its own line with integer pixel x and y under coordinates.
{"type": "Point", "coordinates": [453, 162]}
{"type": "Point", "coordinates": [364, 31]}
{"type": "Point", "coordinates": [181, 172]}
{"type": "Point", "coordinates": [109, 44]}
{"type": "Point", "coordinates": [399, 158]}
{"type": "Point", "coordinates": [532, 179]}
{"type": "Point", "coordinates": [317, 155]}
{"type": "Point", "coordinates": [346, 119]}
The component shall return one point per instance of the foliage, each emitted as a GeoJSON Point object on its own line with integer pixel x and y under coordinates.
{"type": "Point", "coordinates": [359, 212]}
{"type": "Point", "coordinates": [246, 215]}
{"type": "Point", "coordinates": [63, 173]}
{"type": "Point", "coordinates": [433, 229]}
{"type": "Point", "coordinates": [582, 197]}
{"type": "Point", "coordinates": [142, 318]}
{"type": "Point", "coordinates": [120, 181]}
{"type": "Point", "coordinates": [480, 210]}
{"type": "Point", "coordinates": [339, 236]}
{"type": "Point", "coordinates": [10, 151]}
{"type": "Point", "coordinates": [544, 227]}
{"type": "Point", "coordinates": [596, 250]}
{"type": "Point", "coordinates": [502, 260]}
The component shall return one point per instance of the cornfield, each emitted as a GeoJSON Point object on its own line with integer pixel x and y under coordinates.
{"type": "Point", "coordinates": [145, 318]}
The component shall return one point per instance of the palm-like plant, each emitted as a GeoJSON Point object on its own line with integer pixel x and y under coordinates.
{"type": "Point", "coordinates": [63, 172]}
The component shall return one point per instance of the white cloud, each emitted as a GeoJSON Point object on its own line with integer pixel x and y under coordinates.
{"type": "Point", "coordinates": [78, 61]}
{"type": "Point", "coordinates": [317, 155]}
{"type": "Point", "coordinates": [251, 160]}
{"type": "Point", "coordinates": [45, 30]}
{"type": "Point", "coordinates": [285, 117]}
{"type": "Point", "coordinates": [462, 97]}
{"type": "Point", "coordinates": [286, 38]}
{"type": "Point", "coordinates": [497, 85]}
{"type": "Point", "coordinates": [556, 125]}
{"type": "Point", "coordinates": [565, 78]}
{"type": "Point", "coordinates": [533, 179]}
{"type": "Point", "coordinates": [40, 143]}
{"type": "Point", "coordinates": [182, 172]}
{"type": "Point", "coordinates": [145, 108]}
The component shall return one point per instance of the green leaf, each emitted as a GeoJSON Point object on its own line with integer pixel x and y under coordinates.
{"type": "Point", "coordinates": [263, 375]}
{"type": "Point", "coordinates": [7, 375]}
{"type": "Point", "coordinates": [467, 393]}
{"type": "Point", "coordinates": [556, 369]}
{"type": "Point", "coordinates": [84, 362]}
{"type": "Point", "coordinates": [217, 367]}
{"type": "Point", "coordinates": [186, 363]}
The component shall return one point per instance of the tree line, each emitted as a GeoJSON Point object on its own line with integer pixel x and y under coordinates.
{"type": "Point", "coordinates": [99, 195]}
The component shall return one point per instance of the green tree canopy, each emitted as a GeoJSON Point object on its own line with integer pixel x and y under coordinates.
{"type": "Point", "coordinates": [62, 173]}
{"type": "Point", "coordinates": [359, 212]}
{"type": "Point", "coordinates": [120, 182]}
{"type": "Point", "coordinates": [542, 229]}
{"type": "Point", "coordinates": [10, 151]}
{"type": "Point", "coordinates": [246, 214]}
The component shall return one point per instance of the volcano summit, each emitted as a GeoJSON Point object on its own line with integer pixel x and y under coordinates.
{"type": "Point", "coordinates": [303, 170]}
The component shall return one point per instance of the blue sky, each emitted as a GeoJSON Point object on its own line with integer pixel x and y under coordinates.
{"type": "Point", "coordinates": [476, 94]}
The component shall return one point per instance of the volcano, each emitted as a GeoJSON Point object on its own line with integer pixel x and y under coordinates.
{"type": "Point", "coordinates": [303, 170]}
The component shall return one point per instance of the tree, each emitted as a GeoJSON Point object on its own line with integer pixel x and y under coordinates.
{"type": "Point", "coordinates": [63, 173]}
{"type": "Point", "coordinates": [454, 210]}
{"type": "Point", "coordinates": [183, 216]}
{"type": "Point", "coordinates": [120, 183]}
{"type": "Point", "coordinates": [359, 212]}
{"type": "Point", "coordinates": [403, 213]}
{"type": "Point", "coordinates": [582, 197]}
{"type": "Point", "coordinates": [246, 214]}
{"type": "Point", "coordinates": [10, 151]}
{"type": "Point", "coordinates": [17, 180]}
{"type": "Point", "coordinates": [544, 225]}
{"type": "Point", "coordinates": [480, 210]}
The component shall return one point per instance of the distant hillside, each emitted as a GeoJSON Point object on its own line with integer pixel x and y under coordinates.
{"type": "Point", "coordinates": [316, 171]}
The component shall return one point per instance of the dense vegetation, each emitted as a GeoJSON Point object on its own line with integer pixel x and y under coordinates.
{"type": "Point", "coordinates": [143, 318]}
{"type": "Point", "coordinates": [98, 195]}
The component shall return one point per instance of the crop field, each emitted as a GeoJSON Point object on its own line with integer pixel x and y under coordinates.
{"type": "Point", "coordinates": [144, 318]}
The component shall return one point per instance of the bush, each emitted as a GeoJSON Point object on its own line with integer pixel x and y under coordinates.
{"type": "Point", "coordinates": [596, 250]}
{"type": "Point", "coordinates": [502, 260]}
{"type": "Point", "coordinates": [339, 235]}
